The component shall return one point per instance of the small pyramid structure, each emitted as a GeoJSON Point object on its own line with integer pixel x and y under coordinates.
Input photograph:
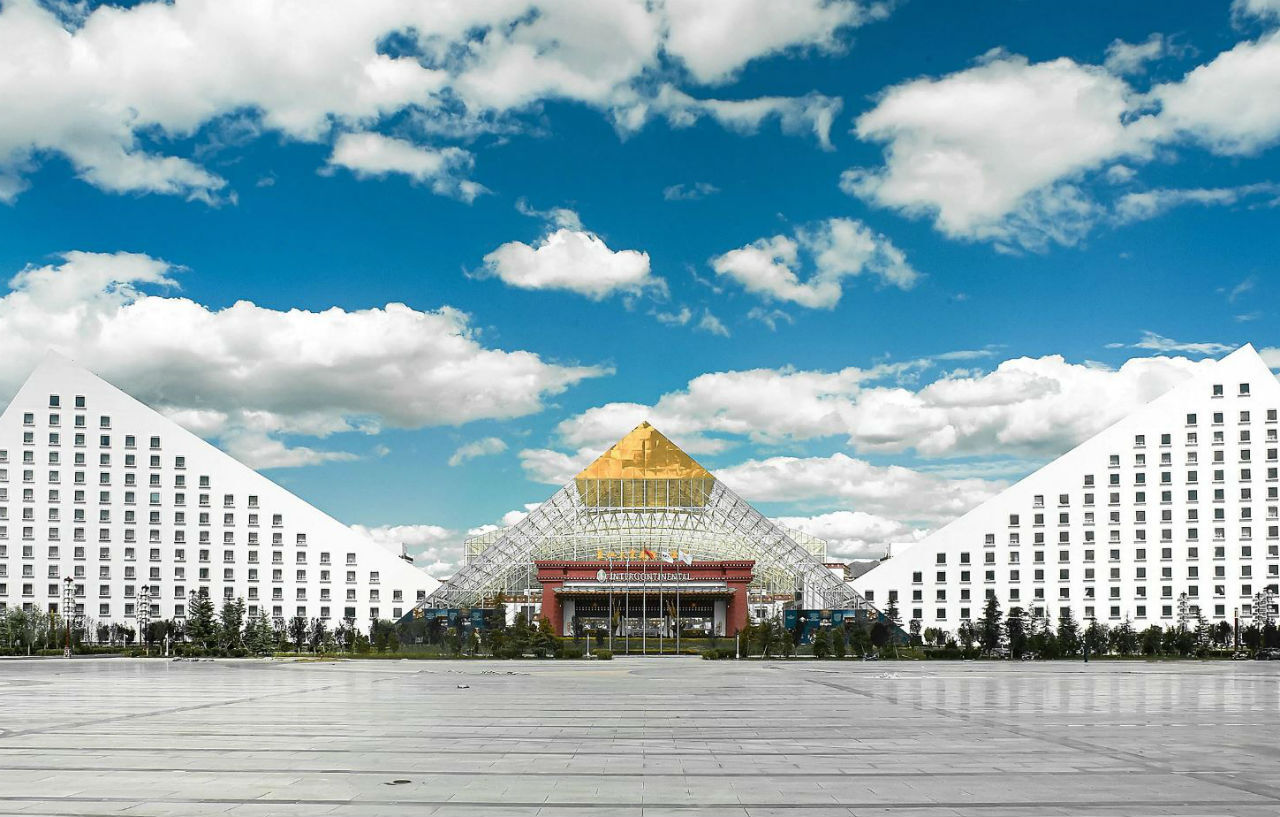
{"type": "Point", "coordinates": [644, 453]}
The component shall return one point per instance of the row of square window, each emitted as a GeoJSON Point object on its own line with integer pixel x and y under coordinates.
{"type": "Point", "coordinates": [1064, 594]}
{"type": "Point", "coordinates": [104, 591]}
{"type": "Point", "coordinates": [228, 575]}
{"type": "Point", "coordinates": [1064, 575]}
{"type": "Point", "coordinates": [179, 555]}
{"type": "Point", "coordinates": [180, 611]}
{"type": "Point", "coordinates": [1140, 555]}
{"type": "Point", "coordinates": [55, 421]}
{"type": "Point", "coordinates": [1140, 612]}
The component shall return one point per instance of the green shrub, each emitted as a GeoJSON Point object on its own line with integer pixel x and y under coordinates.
{"type": "Point", "coordinates": [603, 655]}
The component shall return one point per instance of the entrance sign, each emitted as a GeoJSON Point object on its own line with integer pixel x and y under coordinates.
{"type": "Point", "coordinates": [605, 577]}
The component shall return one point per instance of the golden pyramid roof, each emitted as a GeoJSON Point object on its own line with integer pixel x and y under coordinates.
{"type": "Point", "coordinates": [644, 454]}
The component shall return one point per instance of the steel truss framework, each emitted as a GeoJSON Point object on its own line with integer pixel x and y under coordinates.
{"type": "Point", "coordinates": [572, 525]}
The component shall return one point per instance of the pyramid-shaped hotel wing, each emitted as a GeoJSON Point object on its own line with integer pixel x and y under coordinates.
{"type": "Point", "coordinates": [97, 488]}
{"type": "Point", "coordinates": [1169, 515]}
{"type": "Point", "coordinates": [640, 504]}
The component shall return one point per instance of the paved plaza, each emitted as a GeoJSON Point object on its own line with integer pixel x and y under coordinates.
{"type": "Point", "coordinates": [638, 737]}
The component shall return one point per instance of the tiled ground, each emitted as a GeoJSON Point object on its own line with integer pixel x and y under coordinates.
{"type": "Point", "coordinates": [638, 737]}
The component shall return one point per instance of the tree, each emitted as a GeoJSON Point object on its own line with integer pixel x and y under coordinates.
{"type": "Point", "coordinates": [231, 622]}
{"type": "Point", "coordinates": [915, 632]}
{"type": "Point", "coordinates": [201, 628]}
{"type": "Point", "coordinates": [1068, 634]}
{"type": "Point", "coordinates": [317, 634]}
{"type": "Point", "coordinates": [891, 612]}
{"type": "Point", "coordinates": [1152, 640]}
{"type": "Point", "coordinates": [298, 631]}
{"type": "Point", "coordinates": [1124, 639]}
{"type": "Point", "coordinates": [990, 633]}
{"type": "Point", "coordinates": [822, 643]}
{"type": "Point", "coordinates": [1016, 628]}
{"type": "Point", "coordinates": [967, 634]}
{"type": "Point", "coordinates": [1096, 638]}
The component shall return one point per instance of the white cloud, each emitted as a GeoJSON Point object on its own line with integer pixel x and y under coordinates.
{"type": "Point", "coordinates": [1132, 58]}
{"type": "Point", "coordinates": [1271, 356]}
{"type": "Point", "coordinates": [1148, 204]}
{"type": "Point", "coordinates": [573, 259]}
{"type": "Point", "coordinates": [1035, 407]}
{"type": "Point", "coordinates": [111, 87]}
{"type": "Point", "coordinates": [836, 249]}
{"type": "Point", "coordinates": [689, 192]}
{"type": "Point", "coordinates": [1159, 343]}
{"type": "Point", "coordinates": [259, 451]}
{"type": "Point", "coordinates": [1262, 9]}
{"type": "Point", "coordinates": [892, 491]}
{"type": "Point", "coordinates": [989, 152]}
{"type": "Point", "coordinates": [557, 468]}
{"type": "Point", "coordinates": [711, 324]}
{"type": "Point", "coordinates": [263, 371]}
{"type": "Point", "coordinates": [769, 317]}
{"type": "Point", "coordinates": [855, 534]}
{"type": "Point", "coordinates": [434, 549]}
{"type": "Point", "coordinates": [1006, 151]}
{"type": "Point", "coordinates": [374, 155]}
{"type": "Point", "coordinates": [485, 447]}
{"type": "Point", "coordinates": [1227, 104]}
{"type": "Point", "coordinates": [714, 38]}
{"type": "Point", "coordinates": [679, 318]}
{"type": "Point", "coordinates": [812, 114]}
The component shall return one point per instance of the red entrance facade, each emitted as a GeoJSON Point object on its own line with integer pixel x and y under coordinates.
{"type": "Point", "coordinates": [645, 589]}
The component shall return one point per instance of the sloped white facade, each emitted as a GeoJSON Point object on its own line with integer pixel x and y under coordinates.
{"type": "Point", "coordinates": [97, 486]}
{"type": "Point", "coordinates": [1180, 497]}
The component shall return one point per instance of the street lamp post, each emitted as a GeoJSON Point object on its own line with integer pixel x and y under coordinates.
{"type": "Point", "coordinates": [143, 616]}
{"type": "Point", "coordinates": [68, 602]}
{"type": "Point", "coordinates": [1235, 614]}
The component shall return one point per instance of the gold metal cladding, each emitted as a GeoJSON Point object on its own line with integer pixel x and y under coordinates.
{"type": "Point", "coordinates": [644, 470]}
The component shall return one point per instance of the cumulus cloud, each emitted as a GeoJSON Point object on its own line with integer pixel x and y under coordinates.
{"type": "Point", "coordinates": [1262, 9]}
{"type": "Point", "coordinates": [988, 152]}
{"type": "Point", "coordinates": [1132, 58]}
{"type": "Point", "coordinates": [112, 87]}
{"type": "Point", "coordinates": [1007, 150]}
{"type": "Point", "coordinates": [571, 258]}
{"type": "Point", "coordinates": [374, 155]}
{"type": "Point", "coordinates": [833, 250]}
{"type": "Point", "coordinates": [855, 534]}
{"type": "Point", "coordinates": [891, 491]}
{"type": "Point", "coordinates": [435, 549]}
{"type": "Point", "coordinates": [486, 447]}
{"type": "Point", "coordinates": [714, 38]}
{"type": "Point", "coordinates": [264, 372]}
{"type": "Point", "coordinates": [1225, 104]}
{"type": "Point", "coordinates": [1034, 407]}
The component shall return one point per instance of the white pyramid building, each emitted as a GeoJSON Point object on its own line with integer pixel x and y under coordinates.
{"type": "Point", "coordinates": [98, 487]}
{"type": "Point", "coordinates": [1170, 513]}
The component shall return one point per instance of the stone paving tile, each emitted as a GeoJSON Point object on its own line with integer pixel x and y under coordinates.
{"type": "Point", "coordinates": [640, 737]}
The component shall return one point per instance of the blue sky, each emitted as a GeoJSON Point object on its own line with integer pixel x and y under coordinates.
{"type": "Point", "coordinates": [868, 261]}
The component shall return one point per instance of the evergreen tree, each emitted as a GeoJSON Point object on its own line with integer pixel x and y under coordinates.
{"type": "Point", "coordinates": [1095, 638]}
{"type": "Point", "coordinates": [891, 612]}
{"type": "Point", "coordinates": [1016, 627]}
{"type": "Point", "coordinates": [298, 631]}
{"type": "Point", "coordinates": [1068, 634]}
{"type": "Point", "coordinates": [201, 627]}
{"type": "Point", "coordinates": [1124, 639]}
{"type": "Point", "coordinates": [990, 633]}
{"type": "Point", "coordinates": [230, 624]}
{"type": "Point", "coordinates": [822, 643]}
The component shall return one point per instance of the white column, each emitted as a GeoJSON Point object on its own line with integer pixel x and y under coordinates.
{"type": "Point", "coordinates": [567, 612]}
{"type": "Point", "coordinates": [719, 614]}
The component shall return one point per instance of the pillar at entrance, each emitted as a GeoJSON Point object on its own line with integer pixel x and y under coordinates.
{"type": "Point", "coordinates": [718, 616]}
{"type": "Point", "coordinates": [566, 613]}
